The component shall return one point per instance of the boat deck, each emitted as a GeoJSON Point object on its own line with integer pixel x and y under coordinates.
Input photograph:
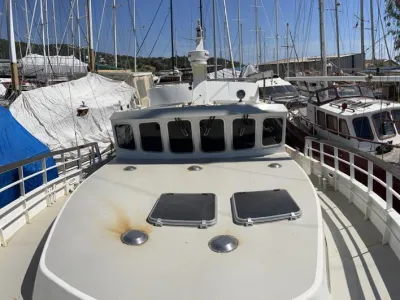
{"type": "Point", "coordinates": [360, 266]}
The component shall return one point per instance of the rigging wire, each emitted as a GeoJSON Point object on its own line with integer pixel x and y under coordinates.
{"type": "Point", "coordinates": [158, 36]}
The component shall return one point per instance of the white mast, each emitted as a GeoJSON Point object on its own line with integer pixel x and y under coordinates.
{"type": "Point", "coordinates": [43, 38]}
{"type": "Point", "coordinates": [337, 4]}
{"type": "Point", "coordinates": [13, 53]}
{"type": "Point", "coordinates": [240, 37]}
{"type": "Point", "coordinates": [79, 34]}
{"type": "Point", "coordinates": [72, 3]}
{"type": "Point", "coordinates": [28, 49]}
{"type": "Point", "coordinates": [115, 33]}
{"type": "Point", "coordinates": [276, 37]}
{"type": "Point", "coordinates": [287, 49]}
{"type": "Point", "coordinates": [90, 35]}
{"type": "Point", "coordinates": [47, 28]}
{"type": "Point", "coordinates": [229, 40]}
{"type": "Point", "coordinates": [30, 29]}
{"type": "Point", "coordinates": [371, 8]}
{"type": "Point", "coordinates": [362, 35]}
{"type": "Point", "coordinates": [322, 36]}
{"type": "Point", "coordinates": [256, 28]}
{"type": "Point", "coordinates": [134, 35]}
{"type": "Point", "coordinates": [215, 37]}
{"type": "Point", "coordinates": [55, 34]}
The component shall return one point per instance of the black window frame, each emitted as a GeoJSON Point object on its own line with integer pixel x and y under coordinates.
{"type": "Point", "coordinates": [141, 137]}
{"type": "Point", "coordinates": [212, 119]}
{"type": "Point", "coordinates": [377, 131]}
{"type": "Point", "coordinates": [318, 118]}
{"type": "Point", "coordinates": [263, 131]}
{"type": "Point", "coordinates": [190, 132]}
{"type": "Point", "coordinates": [369, 125]}
{"type": "Point", "coordinates": [245, 119]}
{"type": "Point", "coordinates": [133, 145]}
{"type": "Point", "coordinates": [334, 118]}
{"type": "Point", "coordinates": [396, 121]}
{"type": "Point", "coordinates": [342, 134]}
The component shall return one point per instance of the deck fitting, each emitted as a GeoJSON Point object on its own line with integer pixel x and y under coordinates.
{"type": "Point", "coordinates": [195, 168]}
{"type": "Point", "coordinates": [275, 165]}
{"type": "Point", "coordinates": [223, 243]}
{"type": "Point", "coordinates": [130, 168]}
{"type": "Point", "coordinates": [134, 237]}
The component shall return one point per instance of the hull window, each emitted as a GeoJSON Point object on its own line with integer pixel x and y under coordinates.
{"type": "Point", "coordinates": [272, 132]}
{"type": "Point", "coordinates": [212, 135]}
{"type": "Point", "coordinates": [383, 125]}
{"type": "Point", "coordinates": [124, 135]}
{"type": "Point", "coordinates": [150, 135]}
{"type": "Point", "coordinates": [362, 128]}
{"type": "Point", "coordinates": [180, 136]}
{"type": "Point", "coordinates": [244, 133]}
{"type": "Point", "coordinates": [396, 119]}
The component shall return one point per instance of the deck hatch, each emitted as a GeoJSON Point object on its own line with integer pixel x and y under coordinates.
{"type": "Point", "coordinates": [197, 210]}
{"type": "Point", "coordinates": [263, 206]}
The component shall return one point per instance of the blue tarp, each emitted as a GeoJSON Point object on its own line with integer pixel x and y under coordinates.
{"type": "Point", "coordinates": [16, 144]}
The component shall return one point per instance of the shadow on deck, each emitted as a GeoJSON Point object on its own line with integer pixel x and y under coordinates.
{"type": "Point", "coordinates": [360, 266]}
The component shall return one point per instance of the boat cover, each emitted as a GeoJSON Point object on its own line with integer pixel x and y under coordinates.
{"type": "Point", "coordinates": [224, 73]}
{"type": "Point", "coordinates": [16, 144]}
{"type": "Point", "coordinates": [2, 90]}
{"type": "Point", "coordinates": [51, 113]}
{"type": "Point", "coordinates": [33, 64]}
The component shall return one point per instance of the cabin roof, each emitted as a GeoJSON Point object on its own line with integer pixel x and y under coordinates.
{"type": "Point", "coordinates": [199, 111]}
{"type": "Point", "coordinates": [272, 82]}
{"type": "Point", "coordinates": [176, 262]}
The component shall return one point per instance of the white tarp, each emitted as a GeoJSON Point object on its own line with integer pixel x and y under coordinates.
{"type": "Point", "coordinates": [33, 64]}
{"type": "Point", "coordinates": [224, 73]}
{"type": "Point", "coordinates": [2, 89]}
{"type": "Point", "coordinates": [50, 113]}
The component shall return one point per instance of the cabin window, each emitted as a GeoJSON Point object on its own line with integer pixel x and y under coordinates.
{"type": "Point", "coordinates": [327, 95]}
{"type": "Point", "coordinates": [344, 129]}
{"type": "Point", "coordinates": [272, 132]}
{"type": "Point", "coordinates": [396, 119]}
{"type": "Point", "coordinates": [244, 133]}
{"type": "Point", "coordinates": [212, 135]}
{"type": "Point", "coordinates": [180, 136]}
{"type": "Point", "coordinates": [150, 135]}
{"type": "Point", "coordinates": [362, 128]}
{"type": "Point", "coordinates": [321, 119]}
{"type": "Point", "coordinates": [124, 135]}
{"type": "Point", "coordinates": [332, 123]}
{"type": "Point", "coordinates": [383, 125]}
{"type": "Point", "coordinates": [348, 91]}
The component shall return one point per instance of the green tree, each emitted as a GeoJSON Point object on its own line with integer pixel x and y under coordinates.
{"type": "Point", "coordinates": [392, 18]}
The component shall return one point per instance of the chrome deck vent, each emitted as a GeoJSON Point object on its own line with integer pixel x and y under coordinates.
{"type": "Point", "coordinates": [223, 243]}
{"type": "Point", "coordinates": [130, 168]}
{"type": "Point", "coordinates": [134, 237]}
{"type": "Point", "coordinates": [195, 168]}
{"type": "Point", "coordinates": [275, 165]}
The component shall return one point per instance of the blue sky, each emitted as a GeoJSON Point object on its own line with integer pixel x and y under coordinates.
{"type": "Point", "coordinates": [302, 16]}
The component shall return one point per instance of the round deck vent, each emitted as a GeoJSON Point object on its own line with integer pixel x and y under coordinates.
{"type": "Point", "coordinates": [130, 168]}
{"type": "Point", "coordinates": [223, 243]}
{"type": "Point", "coordinates": [195, 168]}
{"type": "Point", "coordinates": [275, 165]}
{"type": "Point", "coordinates": [134, 237]}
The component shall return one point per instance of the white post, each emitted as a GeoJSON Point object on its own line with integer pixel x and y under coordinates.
{"type": "Point", "coordinates": [72, 3]}
{"type": "Point", "coordinates": [90, 31]}
{"type": "Point", "coordinates": [47, 28]}
{"type": "Point", "coordinates": [240, 37]}
{"type": "Point", "coordinates": [79, 35]}
{"type": "Point", "coordinates": [287, 49]}
{"type": "Point", "coordinates": [43, 39]}
{"type": "Point", "coordinates": [134, 35]}
{"type": "Point", "coordinates": [256, 28]}
{"type": "Point", "coordinates": [337, 4]}
{"type": "Point", "coordinates": [115, 33]}
{"type": "Point", "coordinates": [229, 41]}
{"type": "Point", "coordinates": [362, 34]}
{"type": "Point", "coordinates": [371, 8]}
{"type": "Point", "coordinates": [30, 28]}
{"type": "Point", "coordinates": [55, 35]}
{"type": "Point", "coordinates": [13, 53]}
{"type": "Point", "coordinates": [28, 48]}
{"type": "Point", "coordinates": [215, 38]}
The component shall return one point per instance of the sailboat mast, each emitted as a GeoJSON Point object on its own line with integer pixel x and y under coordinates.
{"type": "Point", "coordinates": [287, 49]}
{"type": "Point", "coordinates": [276, 37]}
{"type": "Point", "coordinates": [13, 52]}
{"type": "Point", "coordinates": [201, 14]}
{"type": "Point", "coordinates": [134, 36]}
{"type": "Point", "coordinates": [43, 37]}
{"type": "Point", "coordinates": [79, 34]}
{"type": "Point", "coordinates": [90, 29]}
{"type": "Point", "coordinates": [229, 41]}
{"type": "Point", "coordinates": [371, 8]}
{"type": "Point", "coordinates": [172, 36]}
{"type": "Point", "coordinates": [215, 37]}
{"type": "Point", "coordinates": [256, 28]}
{"type": "Point", "coordinates": [337, 4]}
{"type": "Point", "coordinates": [115, 33]}
{"type": "Point", "coordinates": [240, 37]}
{"type": "Point", "coordinates": [72, 2]}
{"type": "Point", "coordinates": [55, 34]}
{"type": "Point", "coordinates": [322, 36]}
{"type": "Point", "coordinates": [29, 50]}
{"type": "Point", "coordinates": [47, 28]}
{"type": "Point", "coordinates": [362, 35]}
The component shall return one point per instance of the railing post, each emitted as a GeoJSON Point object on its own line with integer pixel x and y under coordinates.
{"type": "Point", "coordinates": [321, 153]}
{"type": "Point", "coordinates": [306, 146]}
{"type": "Point", "coordinates": [22, 183]}
{"type": "Point", "coordinates": [389, 187]}
{"type": "Point", "coordinates": [351, 163]}
{"type": "Point", "coordinates": [2, 238]}
{"type": "Point", "coordinates": [98, 154]}
{"type": "Point", "coordinates": [44, 176]}
{"type": "Point", "coordinates": [336, 155]}
{"type": "Point", "coordinates": [80, 166]}
{"type": "Point", "coordinates": [64, 173]}
{"type": "Point", "coordinates": [370, 178]}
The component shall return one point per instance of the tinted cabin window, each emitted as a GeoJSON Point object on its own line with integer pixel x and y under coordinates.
{"type": "Point", "coordinates": [244, 133]}
{"type": "Point", "coordinates": [321, 119]}
{"type": "Point", "coordinates": [272, 131]}
{"type": "Point", "coordinates": [383, 125]}
{"type": "Point", "coordinates": [212, 135]}
{"type": "Point", "coordinates": [362, 128]}
{"type": "Point", "coordinates": [150, 135]}
{"type": "Point", "coordinates": [124, 134]}
{"type": "Point", "coordinates": [332, 123]}
{"type": "Point", "coordinates": [396, 119]}
{"type": "Point", "coordinates": [180, 136]}
{"type": "Point", "coordinates": [344, 129]}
